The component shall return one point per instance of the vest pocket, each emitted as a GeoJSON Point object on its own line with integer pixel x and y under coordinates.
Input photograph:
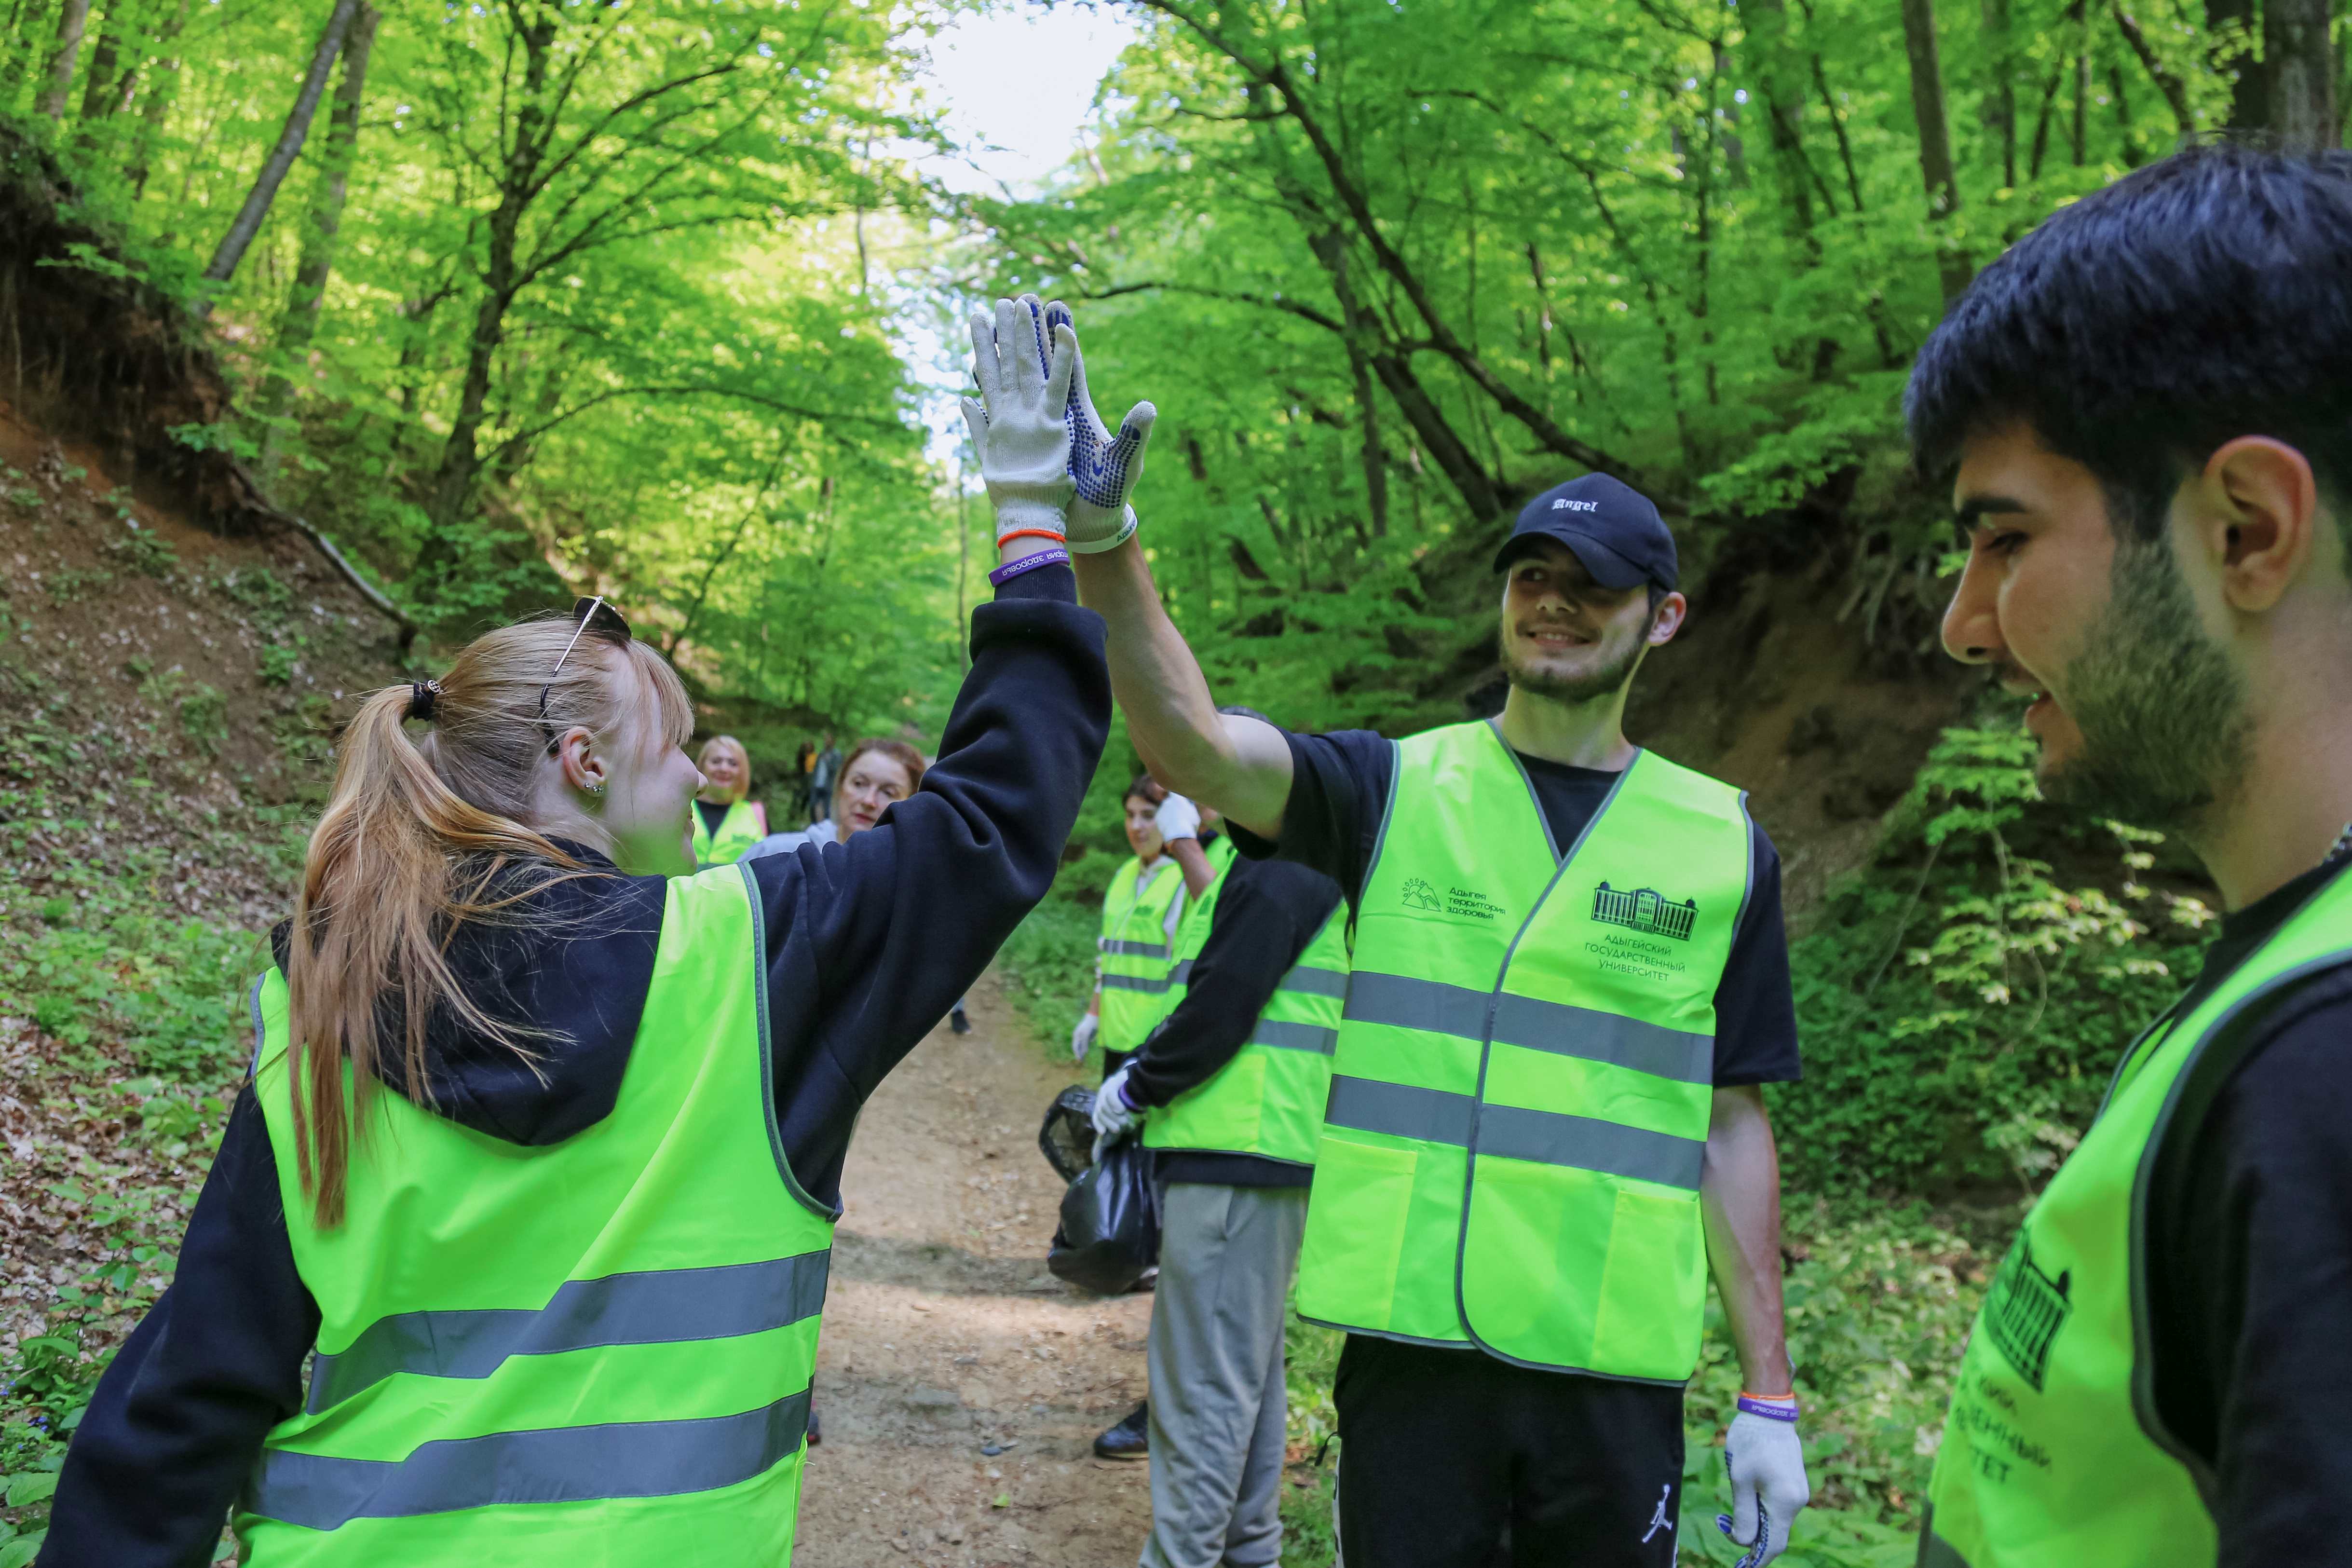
{"type": "Point", "coordinates": [1355, 1232]}
{"type": "Point", "coordinates": [1653, 1288]}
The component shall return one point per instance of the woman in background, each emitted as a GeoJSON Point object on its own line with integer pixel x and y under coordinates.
{"type": "Point", "coordinates": [725, 824]}
{"type": "Point", "coordinates": [879, 774]}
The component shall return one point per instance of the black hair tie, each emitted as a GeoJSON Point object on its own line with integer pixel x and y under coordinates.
{"type": "Point", "coordinates": [422, 695]}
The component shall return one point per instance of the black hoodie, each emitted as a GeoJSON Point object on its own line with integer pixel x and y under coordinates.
{"type": "Point", "coordinates": [869, 943]}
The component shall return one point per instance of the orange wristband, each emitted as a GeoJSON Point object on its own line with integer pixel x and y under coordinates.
{"type": "Point", "coordinates": [1028, 533]}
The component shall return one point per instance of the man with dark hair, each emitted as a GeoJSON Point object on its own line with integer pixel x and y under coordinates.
{"type": "Point", "coordinates": [2146, 407]}
{"type": "Point", "coordinates": [1230, 1085]}
{"type": "Point", "coordinates": [1545, 1126]}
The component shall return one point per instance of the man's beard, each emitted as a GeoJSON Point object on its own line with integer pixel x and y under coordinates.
{"type": "Point", "coordinates": [2161, 709]}
{"type": "Point", "coordinates": [1603, 681]}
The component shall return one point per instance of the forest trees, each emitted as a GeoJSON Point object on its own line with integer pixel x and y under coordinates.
{"type": "Point", "coordinates": [1390, 266]}
{"type": "Point", "coordinates": [535, 290]}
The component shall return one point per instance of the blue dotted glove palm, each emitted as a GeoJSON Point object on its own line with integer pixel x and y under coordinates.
{"type": "Point", "coordinates": [1104, 467]}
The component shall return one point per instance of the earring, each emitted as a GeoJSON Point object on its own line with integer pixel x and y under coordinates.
{"type": "Point", "coordinates": [596, 789]}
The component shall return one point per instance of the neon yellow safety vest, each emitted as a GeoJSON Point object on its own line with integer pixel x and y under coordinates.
{"type": "Point", "coordinates": [1135, 950]}
{"type": "Point", "coordinates": [1267, 1100]}
{"type": "Point", "coordinates": [587, 1354]}
{"type": "Point", "coordinates": [1520, 1100]}
{"type": "Point", "coordinates": [2052, 1455]}
{"type": "Point", "coordinates": [744, 825]}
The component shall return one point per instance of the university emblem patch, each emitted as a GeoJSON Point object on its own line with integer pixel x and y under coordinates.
{"type": "Point", "coordinates": [2024, 1310]}
{"type": "Point", "coordinates": [1644, 910]}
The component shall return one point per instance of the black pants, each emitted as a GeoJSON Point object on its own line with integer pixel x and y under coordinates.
{"type": "Point", "coordinates": [1450, 1459]}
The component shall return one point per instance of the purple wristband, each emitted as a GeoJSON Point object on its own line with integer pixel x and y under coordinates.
{"type": "Point", "coordinates": [1048, 556]}
{"type": "Point", "coordinates": [1770, 1409]}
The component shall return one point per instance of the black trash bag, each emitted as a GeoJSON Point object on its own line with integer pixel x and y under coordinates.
{"type": "Point", "coordinates": [1109, 1235]}
{"type": "Point", "coordinates": [1067, 1137]}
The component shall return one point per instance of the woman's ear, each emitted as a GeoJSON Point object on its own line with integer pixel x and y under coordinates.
{"type": "Point", "coordinates": [583, 769]}
{"type": "Point", "coordinates": [2256, 520]}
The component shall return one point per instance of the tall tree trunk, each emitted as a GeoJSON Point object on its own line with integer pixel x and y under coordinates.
{"type": "Point", "coordinates": [70, 23]}
{"type": "Point", "coordinates": [301, 322]}
{"type": "Point", "coordinates": [1934, 136]}
{"type": "Point", "coordinates": [461, 458]}
{"type": "Point", "coordinates": [2301, 65]}
{"type": "Point", "coordinates": [2250, 107]}
{"type": "Point", "coordinates": [2000, 90]}
{"type": "Point", "coordinates": [2079, 139]}
{"type": "Point", "coordinates": [101, 94]}
{"type": "Point", "coordinates": [163, 79]}
{"type": "Point", "coordinates": [247, 223]}
{"type": "Point", "coordinates": [1784, 106]}
{"type": "Point", "coordinates": [1375, 457]}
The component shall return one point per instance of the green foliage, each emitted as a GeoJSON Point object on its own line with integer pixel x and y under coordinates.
{"type": "Point", "coordinates": [1048, 969]}
{"type": "Point", "coordinates": [145, 551]}
{"type": "Point", "coordinates": [1963, 1005]}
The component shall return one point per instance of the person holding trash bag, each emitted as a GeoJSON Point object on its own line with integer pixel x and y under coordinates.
{"type": "Point", "coordinates": [1545, 1123]}
{"type": "Point", "coordinates": [2143, 411]}
{"type": "Point", "coordinates": [542, 1145]}
{"type": "Point", "coordinates": [1229, 1088]}
{"type": "Point", "coordinates": [726, 823]}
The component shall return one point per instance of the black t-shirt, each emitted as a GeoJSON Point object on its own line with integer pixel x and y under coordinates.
{"type": "Point", "coordinates": [1266, 915]}
{"type": "Point", "coordinates": [2249, 1264]}
{"type": "Point", "coordinates": [1340, 785]}
{"type": "Point", "coordinates": [712, 815]}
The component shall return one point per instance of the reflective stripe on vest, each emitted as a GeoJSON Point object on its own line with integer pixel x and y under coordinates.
{"type": "Point", "coordinates": [1267, 1100]}
{"type": "Point", "coordinates": [741, 826]}
{"type": "Point", "coordinates": [1135, 951]}
{"type": "Point", "coordinates": [582, 1351]}
{"type": "Point", "coordinates": [2052, 1455]}
{"type": "Point", "coordinates": [1524, 1076]}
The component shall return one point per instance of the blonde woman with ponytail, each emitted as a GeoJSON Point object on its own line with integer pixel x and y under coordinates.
{"type": "Point", "coordinates": [515, 1247]}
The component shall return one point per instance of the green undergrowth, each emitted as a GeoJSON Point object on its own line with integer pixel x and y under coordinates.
{"type": "Point", "coordinates": [1965, 997]}
{"type": "Point", "coordinates": [1046, 970]}
{"type": "Point", "coordinates": [132, 1016]}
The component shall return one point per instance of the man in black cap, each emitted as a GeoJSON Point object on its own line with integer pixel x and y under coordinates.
{"type": "Point", "coordinates": [1545, 1126]}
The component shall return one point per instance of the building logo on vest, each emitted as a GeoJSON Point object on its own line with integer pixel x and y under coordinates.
{"type": "Point", "coordinates": [2024, 1310]}
{"type": "Point", "coordinates": [1644, 910]}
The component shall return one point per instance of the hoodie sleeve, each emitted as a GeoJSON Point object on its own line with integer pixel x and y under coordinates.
{"type": "Point", "coordinates": [1268, 913]}
{"type": "Point", "coordinates": [871, 942]}
{"type": "Point", "coordinates": [178, 1418]}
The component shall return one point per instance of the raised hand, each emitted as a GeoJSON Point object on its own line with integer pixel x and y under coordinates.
{"type": "Point", "coordinates": [1103, 469]}
{"type": "Point", "coordinates": [1018, 423]}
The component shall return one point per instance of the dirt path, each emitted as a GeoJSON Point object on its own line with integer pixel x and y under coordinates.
{"type": "Point", "coordinates": [944, 1335]}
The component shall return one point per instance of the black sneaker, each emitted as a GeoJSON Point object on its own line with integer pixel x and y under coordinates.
{"type": "Point", "coordinates": [959, 1023]}
{"type": "Point", "coordinates": [1130, 1439]}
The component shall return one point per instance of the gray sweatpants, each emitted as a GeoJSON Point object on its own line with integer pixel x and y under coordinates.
{"type": "Point", "coordinates": [1217, 1403]}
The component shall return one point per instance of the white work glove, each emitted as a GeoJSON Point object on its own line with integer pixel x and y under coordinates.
{"type": "Point", "coordinates": [1105, 469]}
{"type": "Point", "coordinates": [1177, 819]}
{"type": "Point", "coordinates": [1082, 1039]}
{"type": "Point", "coordinates": [1018, 424]}
{"type": "Point", "coordinates": [1767, 1484]}
{"type": "Point", "coordinates": [1114, 1114]}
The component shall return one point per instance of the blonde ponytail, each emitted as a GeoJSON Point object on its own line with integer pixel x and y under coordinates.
{"type": "Point", "coordinates": [418, 840]}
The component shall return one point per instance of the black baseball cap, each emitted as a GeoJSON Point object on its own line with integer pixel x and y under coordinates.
{"type": "Point", "coordinates": [1612, 528]}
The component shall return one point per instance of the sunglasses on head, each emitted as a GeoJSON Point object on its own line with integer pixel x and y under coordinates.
{"type": "Point", "coordinates": [587, 616]}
